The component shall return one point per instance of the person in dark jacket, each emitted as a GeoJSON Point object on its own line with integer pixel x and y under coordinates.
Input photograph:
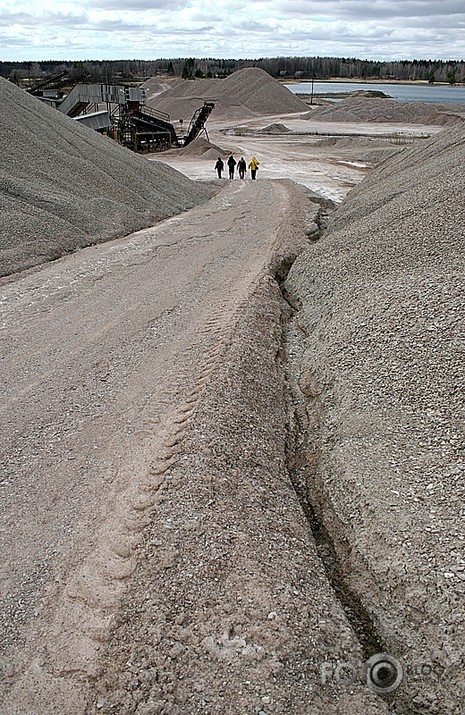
{"type": "Point", "coordinates": [241, 167]}
{"type": "Point", "coordinates": [232, 165]}
{"type": "Point", "coordinates": [219, 166]}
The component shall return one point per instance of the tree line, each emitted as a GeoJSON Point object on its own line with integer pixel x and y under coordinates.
{"type": "Point", "coordinates": [323, 68]}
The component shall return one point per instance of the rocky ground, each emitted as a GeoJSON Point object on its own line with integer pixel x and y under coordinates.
{"type": "Point", "coordinates": [376, 347]}
{"type": "Point", "coordinates": [232, 454]}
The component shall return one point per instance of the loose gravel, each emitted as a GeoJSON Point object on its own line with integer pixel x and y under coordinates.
{"type": "Point", "coordinates": [63, 186]}
{"type": "Point", "coordinates": [374, 109]}
{"type": "Point", "coordinates": [377, 349]}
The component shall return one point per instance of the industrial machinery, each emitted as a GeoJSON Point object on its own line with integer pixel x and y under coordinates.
{"type": "Point", "coordinates": [126, 117]}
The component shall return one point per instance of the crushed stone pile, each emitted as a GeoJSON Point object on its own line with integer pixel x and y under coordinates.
{"type": "Point", "coordinates": [200, 147]}
{"type": "Point", "coordinates": [186, 96]}
{"type": "Point", "coordinates": [63, 186]}
{"type": "Point", "coordinates": [275, 129]}
{"type": "Point", "coordinates": [374, 109]}
{"type": "Point", "coordinates": [382, 377]}
{"type": "Point", "coordinates": [260, 93]}
{"type": "Point", "coordinates": [247, 92]}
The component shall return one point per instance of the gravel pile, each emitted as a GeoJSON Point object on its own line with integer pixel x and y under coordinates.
{"type": "Point", "coordinates": [260, 93]}
{"type": "Point", "coordinates": [63, 186]}
{"type": "Point", "coordinates": [275, 129]}
{"type": "Point", "coordinates": [378, 346]}
{"type": "Point", "coordinates": [200, 147]}
{"type": "Point", "coordinates": [374, 109]}
{"type": "Point", "coordinates": [156, 85]}
{"type": "Point", "coordinates": [247, 92]}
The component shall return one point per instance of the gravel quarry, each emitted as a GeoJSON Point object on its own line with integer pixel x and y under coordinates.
{"type": "Point", "coordinates": [233, 474]}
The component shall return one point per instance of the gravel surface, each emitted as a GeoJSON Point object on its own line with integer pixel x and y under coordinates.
{"type": "Point", "coordinates": [377, 352]}
{"type": "Point", "coordinates": [63, 186]}
{"type": "Point", "coordinates": [373, 109]}
{"type": "Point", "coordinates": [247, 92]}
{"type": "Point", "coordinates": [157, 559]}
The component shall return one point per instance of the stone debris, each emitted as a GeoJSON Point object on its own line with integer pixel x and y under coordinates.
{"type": "Point", "coordinates": [63, 186]}
{"type": "Point", "coordinates": [379, 336]}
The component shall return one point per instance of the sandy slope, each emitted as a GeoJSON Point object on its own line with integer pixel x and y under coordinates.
{"type": "Point", "coordinates": [63, 186]}
{"type": "Point", "coordinates": [378, 345]}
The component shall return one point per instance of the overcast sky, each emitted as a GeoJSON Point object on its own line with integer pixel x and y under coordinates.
{"type": "Point", "coordinates": [150, 29]}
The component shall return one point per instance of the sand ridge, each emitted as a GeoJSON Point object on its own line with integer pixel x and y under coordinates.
{"type": "Point", "coordinates": [386, 110]}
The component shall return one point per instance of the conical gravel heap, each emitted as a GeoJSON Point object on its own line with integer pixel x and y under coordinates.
{"type": "Point", "coordinates": [244, 93]}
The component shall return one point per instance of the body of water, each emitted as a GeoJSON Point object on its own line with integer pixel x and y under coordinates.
{"type": "Point", "coordinates": [437, 94]}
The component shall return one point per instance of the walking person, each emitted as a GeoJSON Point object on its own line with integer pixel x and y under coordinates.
{"type": "Point", "coordinates": [232, 165]}
{"type": "Point", "coordinates": [253, 166]}
{"type": "Point", "coordinates": [219, 166]}
{"type": "Point", "coordinates": [241, 167]}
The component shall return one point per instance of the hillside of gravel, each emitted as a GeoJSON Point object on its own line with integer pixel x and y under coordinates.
{"type": "Point", "coordinates": [374, 109]}
{"type": "Point", "coordinates": [156, 85]}
{"type": "Point", "coordinates": [63, 186]}
{"type": "Point", "coordinates": [244, 93]}
{"type": "Point", "coordinates": [377, 347]}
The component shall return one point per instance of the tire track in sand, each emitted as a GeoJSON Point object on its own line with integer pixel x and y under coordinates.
{"type": "Point", "coordinates": [86, 609]}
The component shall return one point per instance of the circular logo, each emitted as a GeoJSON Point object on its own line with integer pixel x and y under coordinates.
{"type": "Point", "coordinates": [384, 673]}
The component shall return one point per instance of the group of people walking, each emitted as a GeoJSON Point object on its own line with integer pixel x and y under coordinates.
{"type": "Point", "coordinates": [240, 165]}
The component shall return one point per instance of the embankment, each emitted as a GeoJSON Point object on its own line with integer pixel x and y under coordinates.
{"type": "Point", "coordinates": [376, 359]}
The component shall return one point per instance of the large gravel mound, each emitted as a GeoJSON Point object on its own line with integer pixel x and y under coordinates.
{"type": "Point", "coordinates": [260, 93]}
{"type": "Point", "coordinates": [63, 186]}
{"type": "Point", "coordinates": [247, 92]}
{"type": "Point", "coordinates": [382, 375]}
{"type": "Point", "coordinates": [373, 109]}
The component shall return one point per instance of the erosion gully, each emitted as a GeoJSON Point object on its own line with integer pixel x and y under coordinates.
{"type": "Point", "coordinates": [302, 472]}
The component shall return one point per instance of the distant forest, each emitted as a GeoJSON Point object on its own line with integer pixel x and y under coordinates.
{"type": "Point", "coordinates": [323, 68]}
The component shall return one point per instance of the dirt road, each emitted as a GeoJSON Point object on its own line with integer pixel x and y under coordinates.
{"type": "Point", "coordinates": [111, 358]}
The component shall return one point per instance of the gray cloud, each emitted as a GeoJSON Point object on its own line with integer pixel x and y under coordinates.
{"type": "Point", "coordinates": [366, 10]}
{"type": "Point", "coordinates": [106, 29]}
{"type": "Point", "coordinates": [53, 19]}
{"type": "Point", "coordinates": [139, 5]}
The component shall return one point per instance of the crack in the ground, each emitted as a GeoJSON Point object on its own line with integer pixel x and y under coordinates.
{"type": "Point", "coordinates": [302, 460]}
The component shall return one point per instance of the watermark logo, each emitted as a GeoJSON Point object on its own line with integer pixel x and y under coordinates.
{"type": "Point", "coordinates": [382, 673]}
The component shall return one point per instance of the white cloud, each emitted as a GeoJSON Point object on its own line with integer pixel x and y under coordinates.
{"type": "Point", "coordinates": [149, 29]}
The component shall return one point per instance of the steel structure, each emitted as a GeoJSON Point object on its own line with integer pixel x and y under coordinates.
{"type": "Point", "coordinates": [133, 124]}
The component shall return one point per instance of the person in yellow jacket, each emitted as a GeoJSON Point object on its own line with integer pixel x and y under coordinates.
{"type": "Point", "coordinates": [253, 166]}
